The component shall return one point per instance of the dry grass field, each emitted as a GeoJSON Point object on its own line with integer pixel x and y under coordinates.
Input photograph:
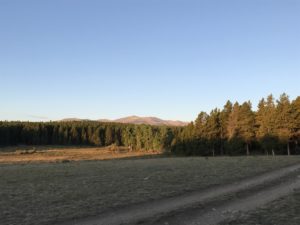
{"type": "Point", "coordinates": [284, 211]}
{"type": "Point", "coordinates": [47, 193]}
{"type": "Point", "coordinates": [30, 154]}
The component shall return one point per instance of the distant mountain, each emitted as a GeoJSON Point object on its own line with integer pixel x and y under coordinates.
{"type": "Point", "coordinates": [147, 120]}
{"type": "Point", "coordinates": [73, 119]}
{"type": "Point", "coordinates": [137, 120]}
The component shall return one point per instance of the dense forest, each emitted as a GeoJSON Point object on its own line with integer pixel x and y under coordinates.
{"type": "Point", "coordinates": [234, 130]}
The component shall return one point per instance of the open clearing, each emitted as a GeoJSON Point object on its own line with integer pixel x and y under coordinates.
{"type": "Point", "coordinates": [40, 154]}
{"type": "Point", "coordinates": [50, 193]}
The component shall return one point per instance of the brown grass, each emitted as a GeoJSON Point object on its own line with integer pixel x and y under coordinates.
{"type": "Point", "coordinates": [284, 211]}
{"type": "Point", "coordinates": [30, 154]}
{"type": "Point", "coordinates": [46, 193]}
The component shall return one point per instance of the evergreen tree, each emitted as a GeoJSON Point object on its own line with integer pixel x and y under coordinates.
{"type": "Point", "coordinates": [96, 137]}
{"type": "Point", "coordinates": [246, 124]}
{"type": "Point", "coordinates": [232, 124]}
{"type": "Point", "coordinates": [265, 122]}
{"type": "Point", "coordinates": [295, 122]}
{"type": "Point", "coordinates": [84, 138]}
{"type": "Point", "coordinates": [224, 118]}
{"type": "Point", "coordinates": [213, 129]}
{"type": "Point", "coordinates": [109, 136]}
{"type": "Point", "coordinates": [74, 135]}
{"type": "Point", "coordinates": [284, 121]}
{"type": "Point", "coordinates": [200, 125]}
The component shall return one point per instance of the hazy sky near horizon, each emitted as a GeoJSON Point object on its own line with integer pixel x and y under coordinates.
{"type": "Point", "coordinates": [165, 58]}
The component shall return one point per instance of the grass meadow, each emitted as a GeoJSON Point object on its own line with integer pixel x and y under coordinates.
{"type": "Point", "coordinates": [284, 211]}
{"type": "Point", "coordinates": [44, 193]}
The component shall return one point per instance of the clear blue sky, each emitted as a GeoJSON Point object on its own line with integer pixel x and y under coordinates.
{"type": "Point", "coordinates": [165, 58]}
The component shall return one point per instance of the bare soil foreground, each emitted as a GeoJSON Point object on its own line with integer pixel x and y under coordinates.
{"type": "Point", "coordinates": [185, 209]}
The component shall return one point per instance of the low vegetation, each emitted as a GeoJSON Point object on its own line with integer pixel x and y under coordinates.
{"type": "Point", "coordinates": [280, 212]}
{"type": "Point", "coordinates": [46, 193]}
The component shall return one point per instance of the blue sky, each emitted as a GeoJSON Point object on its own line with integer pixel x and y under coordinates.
{"type": "Point", "coordinates": [170, 59]}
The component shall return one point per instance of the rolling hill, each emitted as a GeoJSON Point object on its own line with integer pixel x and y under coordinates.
{"type": "Point", "coordinates": [137, 120]}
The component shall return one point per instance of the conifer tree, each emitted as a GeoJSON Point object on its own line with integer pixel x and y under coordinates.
{"type": "Point", "coordinates": [74, 135]}
{"type": "Point", "coordinates": [265, 122]}
{"type": "Point", "coordinates": [296, 121]}
{"type": "Point", "coordinates": [213, 129]}
{"type": "Point", "coordinates": [232, 124]}
{"type": "Point", "coordinates": [246, 124]}
{"type": "Point", "coordinates": [84, 139]}
{"type": "Point", "coordinates": [284, 121]}
{"type": "Point", "coordinates": [109, 136]}
{"type": "Point", "coordinates": [224, 118]}
{"type": "Point", "coordinates": [200, 125]}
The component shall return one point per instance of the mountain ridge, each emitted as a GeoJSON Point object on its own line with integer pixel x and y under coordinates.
{"type": "Point", "coordinates": [150, 120]}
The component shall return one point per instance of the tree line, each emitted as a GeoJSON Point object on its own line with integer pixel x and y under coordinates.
{"type": "Point", "coordinates": [234, 130]}
{"type": "Point", "coordinates": [135, 137]}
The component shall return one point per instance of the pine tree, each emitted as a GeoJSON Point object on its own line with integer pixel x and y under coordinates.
{"type": "Point", "coordinates": [109, 136]}
{"type": "Point", "coordinates": [224, 118]}
{"type": "Point", "coordinates": [213, 129]}
{"type": "Point", "coordinates": [84, 138]}
{"type": "Point", "coordinates": [55, 135]}
{"type": "Point", "coordinates": [265, 122]}
{"type": "Point", "coordinates": [61, 135]}
{"type": "Point", "coordinates": [96, 137]}
{"type": "Point", "coordinates": [246, 124]}
{"type": "Point", "coordinates": [296, 122]}
{"type": "Point", "coordinates": [74, 135]}
{"type": "Point", "coordinates": [232, 124]}
{"type": "Point", "coordinates": [284, 121]}
{"type": "Point", "coordinates": [200, 125]}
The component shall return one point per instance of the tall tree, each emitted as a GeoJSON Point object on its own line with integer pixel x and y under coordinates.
{"type": "Point", "coordinates": [213, 129]}
{"type": "Point", "coordinates": [265, 122]}
{"type": "Point", "coordinates": [200, 124]}
{"type": "Point", "coordinates": [295, 124]}
{"type": "Point", "coordinates": [246, 124]}
{"type": "Point", "coordinates": [74, 135]}
{"type": "Point", "coordinates": [233, 119]}
{"type": "Point", "coordinates": [224, 118]}
{"type": "Point", "coordinates": [284, 121]}
{"type": "Point", "coordinates": [109, 135]}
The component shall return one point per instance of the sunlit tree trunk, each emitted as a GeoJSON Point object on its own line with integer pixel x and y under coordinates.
{"type": "Point", "coordinates": [247, 148]}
